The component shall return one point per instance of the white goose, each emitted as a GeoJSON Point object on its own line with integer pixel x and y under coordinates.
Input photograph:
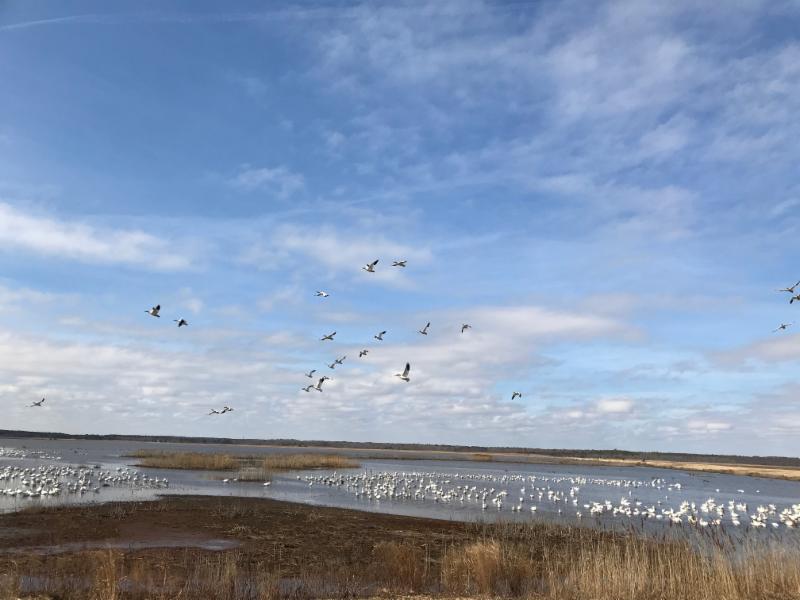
{"type": "Point", "coordinates": [404, 375]}
{"type": "Point", "coordinates": [153, 312]}
{"type": "Point", "coordinates": [370, 267]}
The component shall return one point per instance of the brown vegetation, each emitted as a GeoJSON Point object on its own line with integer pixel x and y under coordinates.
{"type": "Point", "coordinates": [295, 551]}
{"type": "Point", "coordinates": [251, 468]}
{"type": "Point", "coordinates": [299, 462]}
{"type": "Point", "coordinates": [482, 457]}
{"type": "Point", "coordinates": [206, 461]}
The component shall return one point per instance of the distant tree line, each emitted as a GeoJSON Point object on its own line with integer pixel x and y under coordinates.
{"type": "Point", "coordinates": [773, 461]}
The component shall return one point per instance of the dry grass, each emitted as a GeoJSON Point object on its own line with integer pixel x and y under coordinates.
{"type": "Point", "coordinates": [533, 560]}
{"type": "Point", "coordinates": [298, 462]}
{"type": "Point", "coordinates": [481, 457]}
{"type": "Point", "coordinates": [186, 460]}
{"type": "Point", "coordinates": [251, 468]}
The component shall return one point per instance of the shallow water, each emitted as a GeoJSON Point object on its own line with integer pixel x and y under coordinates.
{"type": "Point", "coordinates": [444, 484]}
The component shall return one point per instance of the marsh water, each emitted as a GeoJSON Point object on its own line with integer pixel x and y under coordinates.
{"type": "Point", "coordinates": [445, 489]}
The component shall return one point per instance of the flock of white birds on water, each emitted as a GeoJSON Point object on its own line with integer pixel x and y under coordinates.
{"type": "Point", "coordinates": [49, 480]}
{"type": "Point", "coordinates": [558, 494]}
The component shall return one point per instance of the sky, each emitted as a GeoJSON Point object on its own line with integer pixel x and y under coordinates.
{"type": "Point", "coordinates": [607, 192]}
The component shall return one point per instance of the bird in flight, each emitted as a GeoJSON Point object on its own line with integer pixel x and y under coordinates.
{"type": "Point", "coordinates": [321, 294]}
{"type": "Point", "coordinates": [424, 330]}
{"type": "Point", "coordinates": [363, 353]}
{"type": "Point", "coordinates": [322, 379]}
{"type": "Point", "coordinates": [399, 263]}
{"type": "Point", "coordinates": [226, 409]}
{"type": "Point", "coordinates": [181, 322]}
{"type": "Point", "coordinates": [214, 411]}
{"type": "Point", "coordinates": [379, 337]}
{"type": "Point", "coordinates": [153, 312]}
{"type": "Point", "coordinates": [339, 361]}
{"type": "Point", "coordinates": [515, 395]}
{"type": "Point", "coordinates": [404, 375]}
{"type": "Point", "coordinates": [307, 388]}
{"type": "Point", "coordinates": [370, 267]}
{"type": "Point", "coordinates": [796, 297]}
{"type": "Point", "coordinates": [465, 326]}
{"type": "Point", "coordinates": [39, 403]}
{"type": "Point", "coordinates": [310, 374]}
{"type": "Point", "coordinates": [328, 337]}
{"type": "Point", "coordinates": [790, 289]}
{"type": "Point", "coordinates": [332, 365]}
{"type": "Point", "coordinates": [782, 327]}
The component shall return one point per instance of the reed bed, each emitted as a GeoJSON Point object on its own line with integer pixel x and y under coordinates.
{"type": "Point", "coordinates": [497, 561]}
{"type": "Point", "coordinates": [204, 461]}
{"type": "Point", "coordinates": [250, 468]}
{"type": "Point", "coordinates": [299, 462]}
{"type": "Point", "coordinates": [481, 457]}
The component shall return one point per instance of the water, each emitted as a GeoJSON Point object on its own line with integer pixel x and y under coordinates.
{"type": "Point", "coordinates": [455, 490]}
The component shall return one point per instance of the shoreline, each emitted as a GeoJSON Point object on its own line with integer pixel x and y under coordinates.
{"type": "Point", "coordinates": [785, 473]}
{"type": "Point", "coordinates": [238, 548]}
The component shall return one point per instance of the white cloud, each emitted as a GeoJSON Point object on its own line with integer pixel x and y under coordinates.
{"type": "Point", "coordinates": [279, 180]}
{"type": "Point", "coordinates": [74, 240]}
{"type": "Point", "coordinates": [615, 405]}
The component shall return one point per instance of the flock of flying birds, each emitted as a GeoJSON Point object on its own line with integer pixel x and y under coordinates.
{"type": "Point", "coordinates": [405, 374]}
{"type": "Point", "coordinates": [793, 295]}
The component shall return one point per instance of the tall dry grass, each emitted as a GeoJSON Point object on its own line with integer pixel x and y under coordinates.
{"type": "Point", "coordinates": [252, 468]}
{"type": "Point", "coordinates": [481, 457]}
{"type": "Point", "coordinates": [505, 561]}
{"type": "Point", "coordinates": [298, 462]}
{"type": "Point", "coordinates": [204, 461]}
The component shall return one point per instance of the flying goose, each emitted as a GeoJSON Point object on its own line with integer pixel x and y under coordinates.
{"type": "Point", "coordinates": [328, 337]}
{"type": "Point", "coordinates": [370, 267]}
{"type": "Point", "coordinates": [339, 361]}
{"type": "Point", "coordinates": [782, 327]}
{"type": "Point", "coordinates": [39, 403]}
{"type": "Point", "coordinates": [797, 297]}
{"type": "Point", "coordinates": [321, 294]}
{"type": "Point", "coordinates": [790, 289]}
{"type": "Point", "coordinates": [363, 353]}
{"type": "Point", "coordinates": [181, 322]}
{"type": "Point", "coordinates": [515, 395]}
{"type": "Point", "coordinates": [424, 330]}
{"type": "Point", "coordinates": [322, 379]}
{"type": "Point", "coordinates": [226, 409]}
{"type": "Point", "coordinates": [214, 411]}
{"type": "Point", "coordinates": [379, 337]}
{"type": "Point", "coordinates": [399, 263]}
{"type": "Point", "coordinates": [153, 312]}
{"type": "Point", "coordinates": [310, 374]}
{"type": "Point", "coordinates": [332, 365]}
{"type": "Point", "coordinates": [307, 388]}
{"type": "Point", "coordinates": [404, 375]}
{"type": "Point", "coordinates": [465, 326]}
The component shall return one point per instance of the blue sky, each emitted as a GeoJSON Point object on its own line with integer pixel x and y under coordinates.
{"type": "Point", "coordinates": [607, 192]}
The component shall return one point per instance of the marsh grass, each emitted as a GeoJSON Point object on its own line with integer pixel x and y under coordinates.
{"type": "Point", "coordinates": [251, 468]}
{"type": "Point", "coordinates": [299, 462]}
{"type": "Point", "coordinates": [204, 461]}
{"type": "Point", "coordinates": [481, 457]}
{"type": "Point", "coordinates": [530, 561]}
